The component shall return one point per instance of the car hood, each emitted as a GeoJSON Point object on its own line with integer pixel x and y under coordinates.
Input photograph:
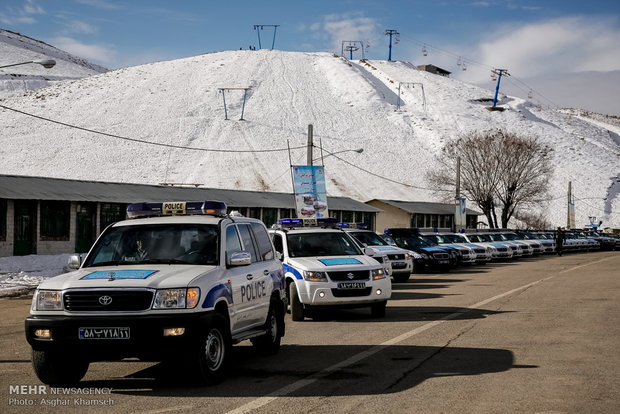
{"type": "Point", "coordinates": [333, 263]}
{"type": "Point", "coordinates": [137, 276]}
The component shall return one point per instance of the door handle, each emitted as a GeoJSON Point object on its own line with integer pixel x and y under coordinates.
{"type": "Point", "coordinates": [249, 276]}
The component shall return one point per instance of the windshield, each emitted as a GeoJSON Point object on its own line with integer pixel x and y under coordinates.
{"type": "Point", "coordinates": [321, 244]}
{"type": "Point", "coordinates": [368, 238]}
{"type": "Point", "coordinates": [157, 243]}
{"type": "Point", "coordinates": [497, 237]}
{"type": "Point", "coordinates": [410, 242]}
{"type": "Point", "coordinates": [510, 236]}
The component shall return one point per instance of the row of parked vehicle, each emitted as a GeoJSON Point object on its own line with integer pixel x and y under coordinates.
{"type": "Point", "coordinates": [443, 251]}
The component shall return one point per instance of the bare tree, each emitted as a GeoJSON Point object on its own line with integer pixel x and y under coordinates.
{"type": "Point", "coordinates": [499, 171]}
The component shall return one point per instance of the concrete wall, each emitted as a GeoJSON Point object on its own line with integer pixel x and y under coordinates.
{"type": "Point", "coordinates": [390, 216]}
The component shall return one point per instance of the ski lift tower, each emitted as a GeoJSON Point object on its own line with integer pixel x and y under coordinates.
{"type": "Point", "coordinates": [411, 85]}
{"type": "Point", "coordinates": [223, 92]}
{"type": "Point", "coordinates": [351, 46]}
{"type": "Point", "coordinates": [391, 32]}
{"type": "Point", "coordinates": [499, 73]}
{"type": "Point", "coordinates": [259, 27]}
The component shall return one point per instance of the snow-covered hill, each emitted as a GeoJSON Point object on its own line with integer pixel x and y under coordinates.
{"type": "Point", "coordinates": [350, 104]}
{"type": "Point", "coordinates": [17, 48]}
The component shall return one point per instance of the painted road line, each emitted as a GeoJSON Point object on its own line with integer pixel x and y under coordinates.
{"type": "Point", "coordinates": [289, 389]}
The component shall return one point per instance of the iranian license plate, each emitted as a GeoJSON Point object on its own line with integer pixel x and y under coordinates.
{"type": "Point", "coordinates": [104, 333]}
{"type": "Point", "coordinates": [351, 285]}
{"type": "Point", "coordinates": [444, 262]}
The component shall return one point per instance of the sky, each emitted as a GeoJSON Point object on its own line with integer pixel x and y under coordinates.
{"type": "Point", "coordinates": [553, 49]}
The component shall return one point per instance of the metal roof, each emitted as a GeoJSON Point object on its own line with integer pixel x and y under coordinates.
{"type": "Point", "coordinates": [421, 207]}
{"type": "Point", "coordinates": [15, 187]}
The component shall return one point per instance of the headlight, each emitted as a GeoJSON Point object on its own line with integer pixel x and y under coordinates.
{"type": "Point", "coordinates": [315, 276]}
{"type": "Point", "coordinates": [408, 256]}
{"type": "Point", "coordinates": [47, 300]}
{"type": "Point", "coordinates": [176, 298]}
{"type": "Point", "coordinates": [378, 274]}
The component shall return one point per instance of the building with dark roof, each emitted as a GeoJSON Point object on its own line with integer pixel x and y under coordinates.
{"type": "Point", "coordinates": [418, 214]}
{"type": "Point", "coordinates": [40, 215]}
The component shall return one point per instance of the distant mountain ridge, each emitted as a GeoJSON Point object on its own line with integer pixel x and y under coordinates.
{"type": "Point", "coordinates": [17, 48]}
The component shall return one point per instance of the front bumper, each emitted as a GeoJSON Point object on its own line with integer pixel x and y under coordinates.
{"type": "Point", "coordinates": [146, 335]}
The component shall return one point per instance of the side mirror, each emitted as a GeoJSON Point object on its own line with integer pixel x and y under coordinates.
{"type": "Point", "coordinates": [239, 259]}
{"type": "Point", "coordinates": [74, 262]}
{"type": "Point", "coordinates": [368, 251]}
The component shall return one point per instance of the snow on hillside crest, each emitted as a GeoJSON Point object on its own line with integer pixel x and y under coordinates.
{"type": "Point", "coordinates": [350, 104]}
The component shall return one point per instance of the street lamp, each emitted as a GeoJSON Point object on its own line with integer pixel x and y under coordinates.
{"type": "Point", "coordinates": [46, 63]}
{"type": "Point", "coordinates": [359, 151]}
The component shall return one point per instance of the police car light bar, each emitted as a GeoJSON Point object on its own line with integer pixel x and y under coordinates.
{"type": "Point", "coordinates": [290, 223]}
{"type": "Point", "coordinates": [361, 226]}
{"type": "Point", "coordinates": [172, 208]}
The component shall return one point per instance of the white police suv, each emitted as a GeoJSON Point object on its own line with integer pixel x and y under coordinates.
{"type": "Point", "coordinates": [325, 268]}
{"type": "Point", "coordinates": [177, 282]}
{"type": "Point", "coordinates": [400, 260]}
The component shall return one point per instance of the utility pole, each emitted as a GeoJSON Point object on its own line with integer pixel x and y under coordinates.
{"type": "Point", "coordinates": [309, 152]}
{"type": "Point", "coordinates": [391, 32]}
{"type": "Point", "coordinates": [570, 211]}
{"type": "Point", "coordinates": [499, 72]}
{"type": "Point", "coordinates": [458, 177]}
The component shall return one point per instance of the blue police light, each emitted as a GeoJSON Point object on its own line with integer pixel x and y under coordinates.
{"type": "Point", "coordinates": [290, 223]}
{"type": "Point", "coordinates": [171, 208]}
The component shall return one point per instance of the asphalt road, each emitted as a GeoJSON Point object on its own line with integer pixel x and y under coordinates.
{"type": "Point", "coordinates": [541, 335]}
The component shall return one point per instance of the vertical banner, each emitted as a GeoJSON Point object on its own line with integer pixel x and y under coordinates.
{"type": "Point", "coordinates": [460, 216]}
{"type": "Point", "coordinates": [309, 189]}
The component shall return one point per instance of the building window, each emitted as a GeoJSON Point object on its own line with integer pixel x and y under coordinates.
{"type": "Point", "coordinates": [55, 219]}
{"type": "Point", "coordinates": [335, 214]}
{"type": "Point", "coordinates": [286, 213]}
{"type": "Point", "coordinates": [347, 217]}
{"type": "Point", "coordinates": [254, 212]}
{"type": "Point", "coordinates": [434, 221]}
{"type": "Point", "coordinates": [111, 213]}
{"type": "Point", "coordinates": [269, 216]}
{"type": "Point", "coordinates": [3, 214]}
{"type": "Point", "coordinates": [417, 220]}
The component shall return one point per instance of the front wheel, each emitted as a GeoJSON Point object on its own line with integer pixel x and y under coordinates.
{"type": "Point", "coordinates": [297, 308]}
{"type": "Point", "coordinates": [400, 277]}
{"type": "Point", "coordinates": [213, 349]}
{"type": "Point", "coordinates": [377, 310]}
{"type": "Point", "coordinates": [269, 343]}
{"type": "Point", "coordinates": [58, 369]}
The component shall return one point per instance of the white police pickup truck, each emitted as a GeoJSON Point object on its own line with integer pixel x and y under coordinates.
{"type": "Point", "coordinates": [325, 268]}
{"type": "Point", "coordinates": [177, 282]}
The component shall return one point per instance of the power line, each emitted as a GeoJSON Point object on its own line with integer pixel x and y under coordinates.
{"type": "Point", "coordinates": [145, 141]}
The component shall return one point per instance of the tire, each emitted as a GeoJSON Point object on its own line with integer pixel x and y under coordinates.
{"type": "Point", "coordinates": [297, 308]}
{"type": "Point", "coordinates": [212, 352]}
{"type": "Point", "coordinates": [401, 277]}
{"type": "Point", "coordinates": [58, 369]}
{"type": "Point", "coordinates": [377, 310]}
{"type": "Point", "coordinates": [269, 343]}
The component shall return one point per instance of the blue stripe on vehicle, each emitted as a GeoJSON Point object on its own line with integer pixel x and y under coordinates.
{"type": "Point", "coordinates": [339, 261]}
{"type": "Point", "coordinates": [223, 290]}
{"type": "Point", "coordinates": [118, 274]}
{"type": "Point", "coordinates": [292, 270]}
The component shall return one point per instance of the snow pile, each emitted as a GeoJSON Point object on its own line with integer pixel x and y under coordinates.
{"type": "Point", "coordinates": [20, 274]}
